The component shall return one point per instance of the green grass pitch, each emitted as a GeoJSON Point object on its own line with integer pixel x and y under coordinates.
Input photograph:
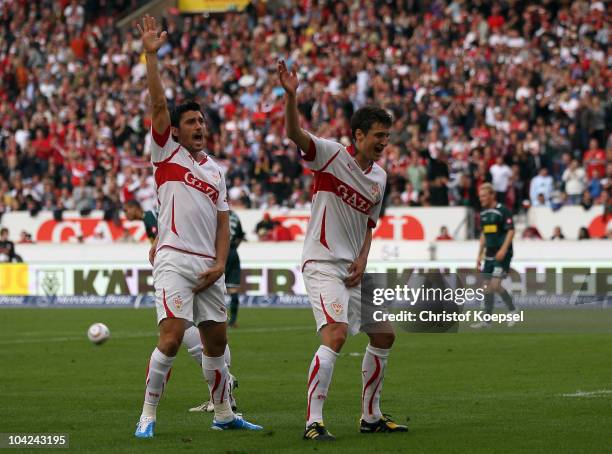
{"type": "Point", "coordinates": [484, 392]}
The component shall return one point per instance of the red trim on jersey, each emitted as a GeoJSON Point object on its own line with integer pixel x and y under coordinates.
{"type": "Point", "coordinates": [160, 139]}
{"type": "Point", "coordinates": [351, 150]}
{"type": "Point", "coordinates": [169, 313]}
{"type": "Point", "coordinates": [327, 317]}
{"type": "Point", "coordinates": [322, 238]}
{"type": "Point", "coordinates": [311, 153]}
{"type": "Point", "coordinates": [330, 161]}
{"type": "Point", "coordinates": [203, 161]}
{"type": "Point", "coordinates": [370, 381]}
{"type": "Point", "coordinates": [325, 181]}
{"type": "Point", "coordinates": [173, 227]}
{"type": "Point", "coordinates": [223, 392]}
{"type": "Point", "coordinates": [371, 223]}
{"type": "Point", "coordinates": [164, 161]}
{"type": "Point", "coordinates": [171, 171]}
{"type": "Point", "coordinates": [185, 251]}
{"type": "Point", "coordinates": [216, 385]}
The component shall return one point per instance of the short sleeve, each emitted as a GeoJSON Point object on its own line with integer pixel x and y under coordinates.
{"type": "Point", "coordinates": [222, 204]}
{"type": "Point", "coordinates": [320, 152]}
{"type": "Point", "coordinates": [508, 221]}
{"type": "Point", "coordinates": [163, 146]}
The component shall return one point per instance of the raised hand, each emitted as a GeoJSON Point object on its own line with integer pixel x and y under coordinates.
{"type": "Point", "coordinates": [151, 39]}
{"type": "Point", "coordinates": [288, 80]}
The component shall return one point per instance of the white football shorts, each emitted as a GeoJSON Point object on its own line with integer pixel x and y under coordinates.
{"type": "Point", "coordinates": [331, 300]}
{"type": "Point", "coordinates": [175, 274]}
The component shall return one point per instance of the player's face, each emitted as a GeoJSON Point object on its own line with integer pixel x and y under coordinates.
{"type": "Point", "coordinates": [373, 144]}
{"type": "Point", "coordinates": [130, 212]}
{"type": "Point", "coordinates": [486, 197]}
{"type": "Point", "coordinates": [191, 130]}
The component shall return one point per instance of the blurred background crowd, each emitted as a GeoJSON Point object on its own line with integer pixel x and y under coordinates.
{"type": "Point", "coordinates": [512, 92]}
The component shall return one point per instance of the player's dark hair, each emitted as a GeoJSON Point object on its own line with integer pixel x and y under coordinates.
{"type": "Point", "coordinates": [179, 110]}
{"type": "Point", "coordinates": [133, 203]}
{"type": "Point", "coordinates": [365, 118]}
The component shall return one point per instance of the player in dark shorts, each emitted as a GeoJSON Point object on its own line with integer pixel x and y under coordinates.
{"type": "Point", "coordinates": [232, 267]}
{"type": "Point", "coordinates": [497, 232]}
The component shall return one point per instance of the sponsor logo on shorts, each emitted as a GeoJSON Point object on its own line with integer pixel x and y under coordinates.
{"type": "Point", "coordinates": [178, 302]}
{"type": "Point", "coordinates": [337, 308]}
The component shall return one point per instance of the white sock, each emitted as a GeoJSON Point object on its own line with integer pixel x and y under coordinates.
{"type": "Point", "coordinates": [158, 374]}
{"type": "Point", "coordinates": [192, 341]}
{"type": "Point", "coordinates": [373, 374]}
{"type": "Point", "coordinates": [217, 377]}
{"type": "Point", "coordinates": [319, 378]}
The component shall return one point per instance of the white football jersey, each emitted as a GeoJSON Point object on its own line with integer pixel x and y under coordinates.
{"type": "Point", "coordinates": [189, 193]}
{"type": "Point", "coordinates": [346, 201]}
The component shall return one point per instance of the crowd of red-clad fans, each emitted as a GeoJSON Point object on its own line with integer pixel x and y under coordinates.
{"type": "Point", "coordinates": [512, 92]}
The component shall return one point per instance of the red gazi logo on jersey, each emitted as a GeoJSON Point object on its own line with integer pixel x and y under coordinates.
{"type": "Point", "coordinates": [354, 199]}
{"type": "Point", "coordinates": [202, 186]}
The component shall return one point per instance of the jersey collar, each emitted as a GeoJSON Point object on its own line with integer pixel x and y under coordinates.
{"type": "Point", "coordinates": [351, 150]}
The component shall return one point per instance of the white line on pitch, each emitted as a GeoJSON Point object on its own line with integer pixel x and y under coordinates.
{"type": "Point", "coordinates": [147, 334]}
{"type": "Point", "coordinates": [579, 393]}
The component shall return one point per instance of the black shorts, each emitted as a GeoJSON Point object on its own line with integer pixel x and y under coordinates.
{"type": "Point", "coordinates": [232, 269]}
{"type": "Point", "coordinates": [496, 269]}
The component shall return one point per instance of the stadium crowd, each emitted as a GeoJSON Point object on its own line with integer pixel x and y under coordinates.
{"type": "Point", "coordinates": [508, 92]}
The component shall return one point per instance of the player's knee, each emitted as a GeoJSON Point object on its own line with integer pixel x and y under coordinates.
{"type": "Point", "coordinates": [382, 340]}
{"type": "Point", "coordinates": [335, 336]}
{"type": "Point", "coordinates": [169, 345]}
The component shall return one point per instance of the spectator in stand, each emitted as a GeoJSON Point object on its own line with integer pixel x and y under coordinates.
{"type": "Point", "coordinates": [264, 228]}
{"type": "Point", "coordinates": [595, 188]}
{"type": "Point", "coordinates": [500, 178]}
{"type": "Point", "coordinates": [583, 234]}
{"type": "Point", "coordinates": [443, 236]}
{"type": "Point", "coordinates": [531, 233]}
{"type": "Point", "coordinates": [506, 84]}
{"type": "Point", "coordinates": [574, 179]}
{"type": "Point", "coordinates": [541, 188]}
{"type": "Point", "coordinates": [557, 234]}
{"type": "Point", "coordinates": [25, 238]}
{"type": "Point", "coordinates": [7, 248]}
{"type": "Point", "coordinates": [594, 159]}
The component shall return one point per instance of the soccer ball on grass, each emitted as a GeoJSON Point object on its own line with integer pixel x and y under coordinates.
{"type": "Point", "coordinates": [98, 333]}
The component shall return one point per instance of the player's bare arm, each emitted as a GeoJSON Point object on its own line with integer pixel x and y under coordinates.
{"type": "Point", "coordinates": [504, 249]}
{"type": "Point", "coordinates": [290, 83]}
{"type": "Point", "coordinates": [211, 275]}
{"type": "Point", "coordinates": [357, 268]}
{"type": "Point", "coordinates": [153, 250]}
{"type": "Point", "coordinates": [152, 40]}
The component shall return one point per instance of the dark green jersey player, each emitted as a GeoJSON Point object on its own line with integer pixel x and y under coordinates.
{"type": "Point", "coordinates": [134, 212]}
{"type": "Point", "coordinates": [232, 266]}
{"type": "Point", "coordinates": [497, 232]}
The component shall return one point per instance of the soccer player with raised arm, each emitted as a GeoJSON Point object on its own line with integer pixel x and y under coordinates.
{"type": "Point", "coordinates": [497, 232]}
{"type": "Point", "coordinates": [191, 338]}
{"type": "Point", "coordinates": [193, 242]}
{"type": "Point", "coordinates": [348, 190]}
